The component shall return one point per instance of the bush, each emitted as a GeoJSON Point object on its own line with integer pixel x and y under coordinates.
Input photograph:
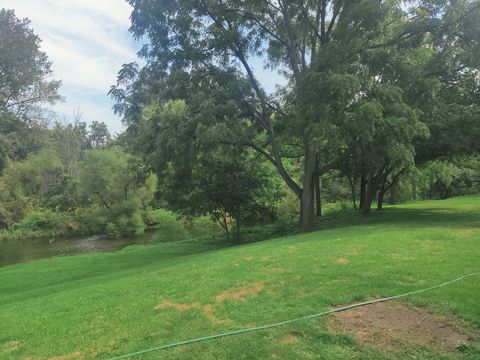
{"type": "Point", "coordinates": [169, 226]}
{"type": "Point", "coordinates": [127, 219]}
{"type": "Point", "coordinates": [288, 208]}
{"type": "Point", "coordinates": [265, 232]}
{"type": "Point", "coordinates": [336, 207]}
{"type": "Point", "coordinates": [202, 226]}
{"type": "Point", "coordinates": [92, 219]}
{"type": "Point", "coordinates": [120, 220]}
{"type": "Point", "coordinates": [46, 220]}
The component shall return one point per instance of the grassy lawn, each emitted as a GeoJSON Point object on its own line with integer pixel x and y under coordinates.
{"type": "Point", "coordinates": [102, 305]}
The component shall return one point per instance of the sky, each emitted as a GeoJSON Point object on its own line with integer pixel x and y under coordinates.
{"type": "Point", "coordinates": [88, 42]}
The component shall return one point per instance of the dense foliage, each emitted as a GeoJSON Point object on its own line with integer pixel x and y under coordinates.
{"type": "Point", "coordinates": [372, 88]}
{"type": "Point", "coordinates": [378, 102]}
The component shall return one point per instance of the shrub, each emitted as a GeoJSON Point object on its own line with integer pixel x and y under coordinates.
{"type": "Point", "coordinates": [265, 232]}
{"type": "Point", "coordinates": [122, 219]}
{"type": "Point", "coordinates": [336, 207]}
{"type": "Point", "coordinates": [288, 208]}
{"type": "Point", "coordinates": [46, 220]}
{"type": "Point", "coordinates": [201, 226]}
{"type": "Point", "coordinates": [127, 218]}
{"type": "Point", "coordinates": [169, 226]}
{"type": "Point", "coordinates": [92, 219]}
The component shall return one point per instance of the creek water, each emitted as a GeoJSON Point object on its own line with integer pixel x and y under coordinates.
{"type": "Point", "coordinates": [18, 251]}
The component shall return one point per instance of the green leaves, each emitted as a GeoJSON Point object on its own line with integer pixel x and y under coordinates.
{"type": "Point", "coordinates": [24, 70]}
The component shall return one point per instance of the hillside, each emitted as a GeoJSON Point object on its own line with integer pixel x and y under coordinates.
{"type": "Point", "coordinates": [109, 304]}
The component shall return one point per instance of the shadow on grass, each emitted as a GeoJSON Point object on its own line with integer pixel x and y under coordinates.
{"type": "Point", "coordinates": [424, 217]}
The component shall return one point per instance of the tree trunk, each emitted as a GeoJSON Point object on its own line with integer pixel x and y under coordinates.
{"type": "Point", "coordinates": [367, 204]}
{"type": "Point", "coordinates": [307, 209]}
{"type": "Point", "coordinates": [318, 199]}
{"type": "Point", "coordinates": [414, 190]}
{"type": "Point", "coordinates": [393, 195]}
{"type": "Point", "coordinates": [352, 187]}
{"type": "Point", "coordinates": [380, 197]}
{"type": "Point", "coordinates": [307, 201]}
{"type": "Point", "coordinates": [372, 188]}
{"type": "Point", "coordinates": [363, 186]}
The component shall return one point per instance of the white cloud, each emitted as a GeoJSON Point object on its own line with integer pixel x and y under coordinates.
{"type": "Point", "coordinates": [89, 111]}
{"type": "Point", "coordinates": [87, 41]}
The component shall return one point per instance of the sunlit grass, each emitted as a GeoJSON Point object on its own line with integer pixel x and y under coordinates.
{"type": "Point", "coordinates": [101, 305]}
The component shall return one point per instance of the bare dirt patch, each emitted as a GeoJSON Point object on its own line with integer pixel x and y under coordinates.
{"type": "Point", "coordinates": [72, 356]}
{"type": "Point", "coordinates": [171, 305]}
{"type": "Point", "coordinates": [392, 325]}
{"type": "Point", "coordinates": [343, 261]}
{"type": "Point", "coordinates": [210, 315]}
{"type": "Point", "coordinates": [240, 294]}
{"type": "Point", "coordinates": [288, 339]}
{"type": "Point", "coordinates": [10, 346]}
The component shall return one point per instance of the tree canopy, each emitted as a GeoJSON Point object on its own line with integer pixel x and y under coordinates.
{"type": "Point", "coordinates": [25, 70]}
{"type": "Point", "coordinates": [26, 85]}
{"type": "Point", "coordinates": [356, 73]}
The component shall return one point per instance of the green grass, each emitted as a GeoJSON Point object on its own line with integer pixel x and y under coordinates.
{"type": "Point", "coordinates": [101, 305]}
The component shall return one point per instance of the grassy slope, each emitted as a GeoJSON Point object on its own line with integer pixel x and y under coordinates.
{"type": "Point", "coordinates": [97, 306]}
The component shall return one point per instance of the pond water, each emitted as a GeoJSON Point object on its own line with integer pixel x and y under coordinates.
{"type": "Point", "coordinates": [17, 251]}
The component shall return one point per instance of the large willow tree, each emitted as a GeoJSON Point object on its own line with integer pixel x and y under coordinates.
{"type": "Point", "coordinates": [204, 52]}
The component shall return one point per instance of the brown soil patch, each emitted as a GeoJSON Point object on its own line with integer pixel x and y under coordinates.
{"type": "Point", "coordinates": [72, 356]}
{"type": "Point", "coordinates": [240, 294]}
{"type": "Point", "coordinates": [171, 305]}
{"type": "Point", "coordinates": [11, 346]}
{"type": "Point", "coordinates": [210, 314]}
{"type": "Point", "coordinates": [343, 261]}
{"type": "Point", "coordinates": [392, 325]}
{"type": "Point", "coordinates": [208, 310]}
{"type": "Point", "coordinates": [288, 339]}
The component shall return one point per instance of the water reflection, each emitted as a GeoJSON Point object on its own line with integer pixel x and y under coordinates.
{"type": "Point", "coordinates": [17, 251]}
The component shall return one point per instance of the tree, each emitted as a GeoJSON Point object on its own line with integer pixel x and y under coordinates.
{"type": "Point", "coordinates": [453, 64]}
{"type": "Point", "coordinates": [199, 176]}
{"type": "Point", "coordinates": [109, 177]}
{"type": "Point", "coordinates": [202, 51]}
{"type": "Point", "coordinates": [382, 148]}
{"type": "Point", "coordinates": [32, 183]}
{"type": "Point", "coordinates": [70, 142]}
{"type": "Point", "coordinates": [230, 188]}
{"type": "Point", "coordinates": [443, 179]}
{"type": "Point", "coordinates": [25, 85]}
{"type": "Point", "coordinates": [25, 71]}
{"type": "Point", "coordinates": [3, 159]}
{"type": "Point", "coordinates": [115, 189]}
{"type": "Point", "coordinates": [19, 139]}
{"type": "Point", "coordinates": [99, 136]}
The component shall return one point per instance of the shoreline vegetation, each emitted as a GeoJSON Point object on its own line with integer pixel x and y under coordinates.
{"type": "Point", "coordinates": [206, 150]}
{"type": "Point", "coordinates": [147, 295]}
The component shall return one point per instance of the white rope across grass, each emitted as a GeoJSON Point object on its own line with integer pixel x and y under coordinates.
{"type": "Point", "coordinates": [306, 317]}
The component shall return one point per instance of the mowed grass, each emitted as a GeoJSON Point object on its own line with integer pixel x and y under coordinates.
{"type": "Point", "coordinates": [103, 305]}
